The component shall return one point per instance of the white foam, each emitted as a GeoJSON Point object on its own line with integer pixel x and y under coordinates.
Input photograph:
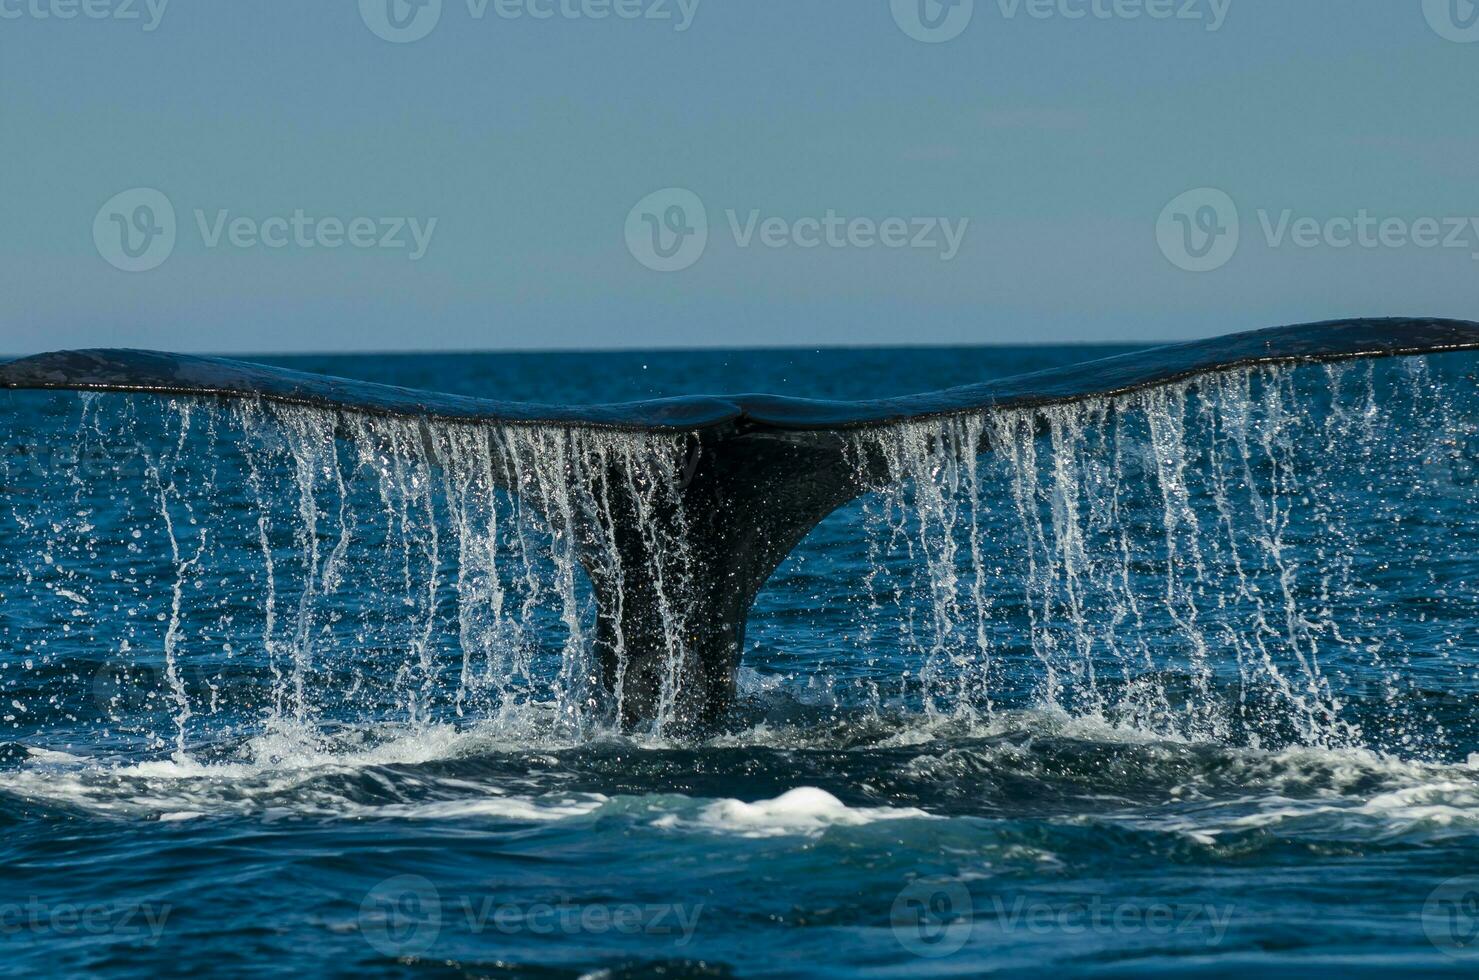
{"type": "Point", "coordinates": [1313, 790]}
{"type": "Point", "coordinates": [279, 765]}
{"type": "Point", "coordinates": [1442, 803]}
{"type": "Point", "coordinates": [50, 755]}
{"type": "Point", "coordinates": [499, 807]}
{"type": "Point", "coordinates": [804, 811]}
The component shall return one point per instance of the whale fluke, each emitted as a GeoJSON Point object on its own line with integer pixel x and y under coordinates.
{"type": "Point", "coordinates": [751, 474]}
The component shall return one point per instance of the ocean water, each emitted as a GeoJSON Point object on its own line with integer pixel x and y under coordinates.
{"type": "Point", "coordinates": [1179, 683]}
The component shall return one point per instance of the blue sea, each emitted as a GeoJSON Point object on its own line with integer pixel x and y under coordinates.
{"type": "Point", "coordinates": [1180, 683]}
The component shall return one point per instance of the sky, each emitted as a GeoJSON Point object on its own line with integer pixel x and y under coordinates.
{"type": "Point", "coordinates": [339, 175]}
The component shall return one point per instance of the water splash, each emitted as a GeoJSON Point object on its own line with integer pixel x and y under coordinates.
{"type": "Point", "coordinates": [1202, 560]}
{"type": "Point", "coordinates": [319, 569]}
{"type": "Point", "coordinates": [1197, 561]}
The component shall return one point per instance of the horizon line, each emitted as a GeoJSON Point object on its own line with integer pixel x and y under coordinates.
{"type": "Point", "coordinates": [675, 349]}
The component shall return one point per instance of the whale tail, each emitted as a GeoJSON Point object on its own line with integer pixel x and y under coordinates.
{"type": "Point", "coordinates": [679, 542]}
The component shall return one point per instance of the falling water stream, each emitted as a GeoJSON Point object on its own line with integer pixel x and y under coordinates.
{"type": "Point", "coordinates": [1186, 560]}
{"type": "Point", "coordinates": [239, 607]}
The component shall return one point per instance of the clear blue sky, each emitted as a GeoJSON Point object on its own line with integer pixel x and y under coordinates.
{"type": "Point", "coordinates": [530, 140]}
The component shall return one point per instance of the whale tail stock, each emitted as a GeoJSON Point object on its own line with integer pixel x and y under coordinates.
{"type": "Point", "coordinates": [747, 479]}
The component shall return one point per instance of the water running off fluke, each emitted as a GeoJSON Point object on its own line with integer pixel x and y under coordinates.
{"type": "Point", "coordinates": [1162, 536]}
